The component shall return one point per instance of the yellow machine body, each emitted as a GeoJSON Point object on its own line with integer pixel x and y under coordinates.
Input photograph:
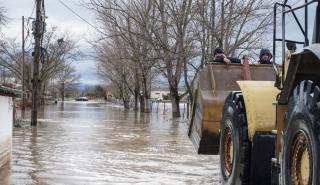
{"type": "Point", "coordinates": [259, 97]}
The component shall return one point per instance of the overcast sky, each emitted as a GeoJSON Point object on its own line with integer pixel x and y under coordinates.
{"type": "Point", "coordinates": [59, 16]}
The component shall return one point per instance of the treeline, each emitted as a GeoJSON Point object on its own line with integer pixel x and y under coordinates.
{"type": "Point", "coordinates": [142, 39]}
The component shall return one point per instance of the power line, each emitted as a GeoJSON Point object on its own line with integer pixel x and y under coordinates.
{"type": "Point", "coordinates": [26, 27]}
{"type": "Point", "coordinates": [34, 6]}
{"type": "Point", "coordinates": [75, 13]}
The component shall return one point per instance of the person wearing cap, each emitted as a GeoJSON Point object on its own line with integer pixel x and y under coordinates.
{"type": "Point", "coordinates": [264, 57]}
{"type": "Point", "coordinates": [220, 57]}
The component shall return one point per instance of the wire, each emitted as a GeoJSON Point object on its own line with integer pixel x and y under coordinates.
{"type": "Point", "coordinates": [43, 10]}
{"type": "Point", "coordinates": [34, 6]}
{"type": "Point", "coordinates": [75, 13]}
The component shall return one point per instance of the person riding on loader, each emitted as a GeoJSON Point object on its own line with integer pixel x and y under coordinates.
{"type": "Point", "coordinates": [220, 57]}
{"type": "Point", "coordinates": [264, 57]}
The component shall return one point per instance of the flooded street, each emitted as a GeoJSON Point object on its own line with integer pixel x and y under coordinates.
{"type": "Point", "coordinates": [98, 143]}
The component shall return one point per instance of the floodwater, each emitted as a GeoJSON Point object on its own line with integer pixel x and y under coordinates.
{"type": "Point", "coordinates": [96, 143]}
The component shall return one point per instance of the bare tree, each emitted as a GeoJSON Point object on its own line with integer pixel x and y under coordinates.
{"type": "Point", "coordinates": [54, 57]}
{"type": "Point", "coordinates": [3, 21]}
{"type": "Point", "coordinates": [172, 36]}
{"type": "Point", "coordinates": [173, 41]}
{"type": "Point", "coordinates": [233, 24]}
{"type": "Point", "coordinates": [3, 17]}
{"type": "Point", "coordinates": [116, 69]}
{"type": "Point", "coordinates": [66, 79]}
{"type": "Point", "coordinates": [11, 61]}
{"type": "Point", "coordinates": [10, 56]}
{"type": "Point", "coordinates": [130, 22]}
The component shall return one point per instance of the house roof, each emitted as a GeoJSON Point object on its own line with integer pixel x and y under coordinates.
{"type": "Point", "coordinates": [5, 91]}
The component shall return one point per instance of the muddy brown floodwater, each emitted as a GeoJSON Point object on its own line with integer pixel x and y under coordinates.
{"type": "Point", "coordinates": [97, 143]}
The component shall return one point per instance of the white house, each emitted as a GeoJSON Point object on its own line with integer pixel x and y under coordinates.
{"type": "Point", "coordinates": [158, 94]}
{"type": "Point", "coordinates": [6, 123]}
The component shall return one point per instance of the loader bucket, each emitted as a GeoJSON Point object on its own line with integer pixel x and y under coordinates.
{"type": "Point", "coordinates": [212, 86]}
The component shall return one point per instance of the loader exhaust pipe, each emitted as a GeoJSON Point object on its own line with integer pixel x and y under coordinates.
{"type": "Point", "coordinates": [246, 68]}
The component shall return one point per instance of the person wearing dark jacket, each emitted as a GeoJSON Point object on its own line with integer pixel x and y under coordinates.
{"type": "Point", "coordinates": [220, 57]}
{"type": "Point", "coordinates": [265, 56]}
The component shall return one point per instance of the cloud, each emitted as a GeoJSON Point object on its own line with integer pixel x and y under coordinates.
{"type": "Point", "coordinates": [87, 70]}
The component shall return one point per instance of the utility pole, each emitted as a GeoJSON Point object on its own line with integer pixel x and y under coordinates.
{"type": "Point", "coordinates": [22, 71]}
{"type": "Point", "coordinates": [35, 83]}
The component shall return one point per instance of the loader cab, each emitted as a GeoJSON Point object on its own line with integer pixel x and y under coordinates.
{"type": "Point", "coordinates": [293, 69]}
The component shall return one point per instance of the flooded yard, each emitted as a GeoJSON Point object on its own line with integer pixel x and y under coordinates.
{"type": "Point", "coordinates": [98, 143]}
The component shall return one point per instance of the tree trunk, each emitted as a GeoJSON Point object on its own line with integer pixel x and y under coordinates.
{"type": "Point", "coordinates": [62, 96]}
{"type": "Point", "coordinates": [136, 87]}
{"type": "Point", "coordinates": [41, 96]}
{"type": "Point", "coordinates": [146, 105]}
{"type": "Point", "coordinates": [136, 99]}
{"type": "Point", "coordinates": [187, 82]}
{"type": "Point", "coordinates": [42, 100]}
{"type": "Point", "coordinates": [142, 104]}
{"type": "Point", "coordinates": [222, 31]}
{"type": "Point", "coordinates": [62, 93]}
{"type": "Point", "coordinates": [145, 94]}
{"type": "Point", "coordinates": [175, 99]}
{"type": "Point", "coordinates": [126, 104]}
{"type": "Point", "coordinates": [212, 31]}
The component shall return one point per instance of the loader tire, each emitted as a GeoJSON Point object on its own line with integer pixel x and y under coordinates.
{"type": "Point", "coordinates": [234, 142]}
{"type": "Point", "coordinates": [300, 161]}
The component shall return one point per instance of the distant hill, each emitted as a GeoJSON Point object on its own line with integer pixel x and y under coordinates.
{"type": "Point", "coordinates": [83, 86]}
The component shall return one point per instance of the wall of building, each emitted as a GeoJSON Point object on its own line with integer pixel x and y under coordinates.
{"type": "Point", "coordinates": [158, 94]}
{"type": "Point", "coordinates": [6, 121]}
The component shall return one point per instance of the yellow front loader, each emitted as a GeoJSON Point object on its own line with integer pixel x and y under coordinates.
{"type": "Point", "coordinates": [270, 131]}
{"type": "Point", "coordinates": [214, 83]}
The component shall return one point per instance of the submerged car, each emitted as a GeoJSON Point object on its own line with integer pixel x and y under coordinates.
{"type": "Point", "coordinates": [82, 99]}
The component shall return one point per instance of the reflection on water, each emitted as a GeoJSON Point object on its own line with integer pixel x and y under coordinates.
{"type": "Point", "coordinates": [96, 143]}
